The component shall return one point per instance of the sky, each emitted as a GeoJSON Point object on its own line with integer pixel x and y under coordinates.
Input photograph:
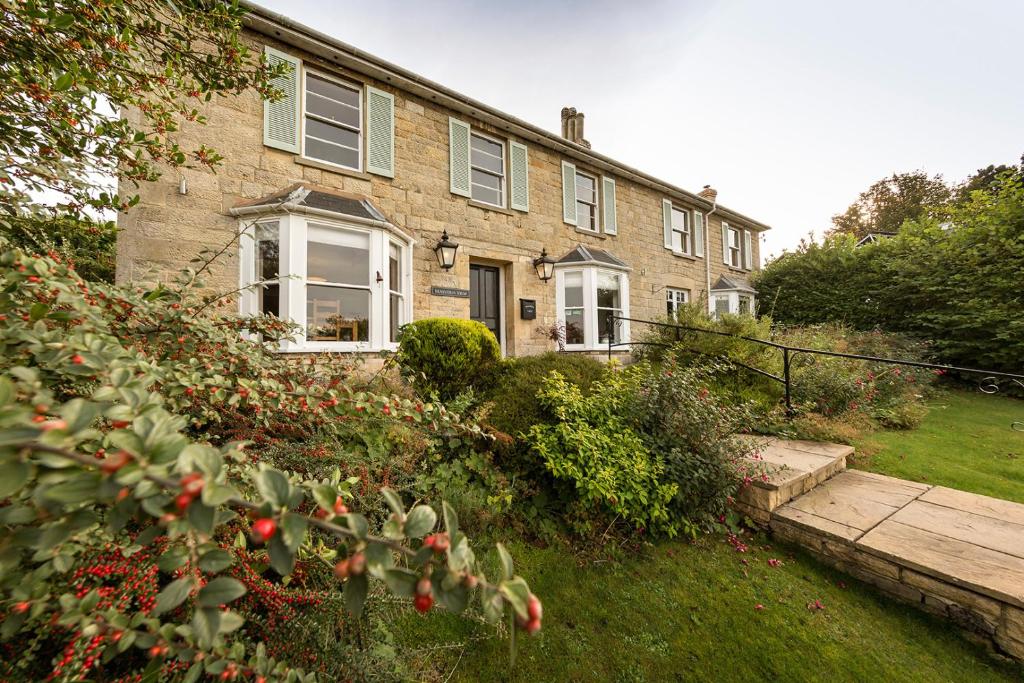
{"type": "Point", "coordinates": [788, 108]}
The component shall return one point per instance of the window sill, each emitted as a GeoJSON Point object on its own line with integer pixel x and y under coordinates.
{"type": "Point", "coordinates": [489, 207]}
{"type": "Point", "coordinates": [593, 233]}
{"type": "Point", "coordinates": [339, 347]}
{"type": "Point", "coordinates": [686, 256]}
{"type": "Point", "coordinates": [340, 170]}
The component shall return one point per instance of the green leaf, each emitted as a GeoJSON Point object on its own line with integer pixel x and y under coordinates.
{"type": "Point", "coordinates": [79, 414]}
{"type": "Point", "coordinates": [293, 531]}
{"type": "Point", "coordinates": [273, 486]}
{"type": "Point", "coordinates": [357, 524]}
{"type": "Point", "coordinates": [451, 520]}
{"type": "Point", "coordinates": [379, 558]}
{"type": "Point", "coordinates": [393, 501]}
{"type": "Point", "coordinates": [172, 596]}
{"type": "Point", "coordinates": [401, 582]}
{"type": "Point", "coordinates": [221, 591]}
{"type": "Point", "coordinates": [517, 593]}
{"type": "Point", "coordinates": [201, 517]}
{"type": "Point", "coordinates": [420, 521]}
{"type": "Point", "coordinates": [13, 475]}
{"type": "Point", "coordinates": [172, 559]}
{"type": "Point", "coordinates": [507, 570]}
{"type": "Point", "coordinates": [84, 486]}
{"type": "Point", "coordinates": [281, 559]}
{"type": "Point", "coordinates": [216, 560]}
{"type": "Point", "coordinates": [206, 623]}
{"type": "Point", "coordinates": [355, 594]}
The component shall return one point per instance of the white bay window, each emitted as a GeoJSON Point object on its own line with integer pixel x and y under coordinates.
{"type": "Point", "coordinates": [587, 298]}
{"type": "Point", "coordinates": [345, 283]}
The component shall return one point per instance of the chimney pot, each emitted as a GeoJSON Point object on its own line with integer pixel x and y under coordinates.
{"type": "Point", "coordinates": [572, 126]}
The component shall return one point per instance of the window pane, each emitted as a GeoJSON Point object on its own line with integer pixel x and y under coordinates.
{"type": "Point", "coordinates": [489, 146]}
{"type": "Point", "coordinates": [607, 290]}
{"type": "Point", "coordinates": [586, 188]}
{"type": "Point", "coordinates": [324, 151]}
{"type": "Point", "coordinates": [487, 154]}
{"type": "Point", "coordinates": [573, 290]}
{"type": "Point", "coordinates": [322, 86]}
{"type": "Point", "coordinates": [677, 241]}
{"type": "Point", "coordinates": [574, 326]}
{"type": "Point", "coordinates": [586, 216]}
{"type": "Point", "coordinates": [744, 304]}
{"type": "Point", "coordinates": [395, 268]}
{"type": "Point", "coordinates": [337, 314]}
{"type": "Point", "coordinates": [721, 304]}
{"type": "Point", "coordinates": [487, 180]}
{"type": "Point", "coordinates": [487, 195]}
{"type": "Point", "coordinates": [268, 258]}
{"type": "Point", "coordinates": [606, 328]}
{"type": "Point", "coordinates": [396, 316]}
{"type": "Point", "coordinates": [321, 106]}
{"type": "Point", "coordinates": [337, 256]}
{"type": "Point", "coordinates": [330, 133]}
{"type": "Point", "coordinates": [678, 219]}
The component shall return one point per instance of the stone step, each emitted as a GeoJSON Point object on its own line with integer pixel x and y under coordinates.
{"type": "Point", "coordinates": [791, 468]}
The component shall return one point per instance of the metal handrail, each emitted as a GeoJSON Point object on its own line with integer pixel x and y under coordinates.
{"type": "Point", "coordinates": [988, 386]}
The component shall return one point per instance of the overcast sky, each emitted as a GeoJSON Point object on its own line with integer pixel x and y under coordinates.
{"type": "Point", "coordinates": [788, 108]}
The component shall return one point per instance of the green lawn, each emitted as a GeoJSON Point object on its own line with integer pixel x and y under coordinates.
{"type": "Point", "coordinates": [685, 612]}
{"type": "Point", "coordinates": [965, 442]}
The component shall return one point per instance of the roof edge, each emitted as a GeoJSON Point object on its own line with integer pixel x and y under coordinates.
{"type": "Point", "coordinates": [371, 65]}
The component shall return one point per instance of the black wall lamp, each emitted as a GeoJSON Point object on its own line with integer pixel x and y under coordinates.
{"type": "Point", "coordinates": [445, 251]}
{"type": "Point", "coordinates": [545, 265]}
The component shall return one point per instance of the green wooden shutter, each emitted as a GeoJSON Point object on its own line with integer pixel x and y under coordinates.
{"type": "Point", "coordinates": [611, 227]}
{"type": "Point", "coordinates": [748, 251]}
{"type": "Point", "coordinates": [281, 117]}
{"type": "Point", "coordinates": [666, 216]}
{"type": "Point", "coordinates": [519, 169]}
{"type": "Point", "coordinates": [725, 243]}
{"type": "Point", "coordinates": [569, 193]}
{"type": "Point", "coordinates": [698, 234]}
{"type": "Point", "coordinates": [380, 132]}
{"type": "Point", "coordinates": [458, 156]}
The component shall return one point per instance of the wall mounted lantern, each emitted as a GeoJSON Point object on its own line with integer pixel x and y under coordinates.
{"type": "Point", "coordinates": [445, 251]}
{"type": "Point", "coordinates": [545, 266]}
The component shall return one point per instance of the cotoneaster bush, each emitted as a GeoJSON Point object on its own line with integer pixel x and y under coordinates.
{"type": "Point", "coordinates": [120, 418]}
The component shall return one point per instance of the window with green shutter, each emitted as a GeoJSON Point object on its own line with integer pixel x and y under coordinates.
{"type": "Point", "coordinates": [380, 132]}
{"type": "Point", "coordinates": [281, 116]}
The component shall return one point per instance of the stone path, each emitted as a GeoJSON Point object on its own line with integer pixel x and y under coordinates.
{"type": "Point", "coordinates": [953, 553]}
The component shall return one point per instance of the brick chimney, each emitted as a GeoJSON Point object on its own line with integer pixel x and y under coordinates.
{"type": "Point", "coordinates": [709, 193]}
{"type": "Point", "coordinates": [572, 126]}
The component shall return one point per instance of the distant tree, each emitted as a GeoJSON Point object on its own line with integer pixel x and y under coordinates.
{"type": "Point", "coordinates": [884, 206]}
{"type": "Point", "coordinates": [984, 179]}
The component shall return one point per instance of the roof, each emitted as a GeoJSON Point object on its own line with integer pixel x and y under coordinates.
{"type": "Point", "coordinates": [728, 284]}
{"type": "Point", "coordinates": [289, 31]}
{"type": "Point", "coordinates": [583, 254]}
{"type": "Point", "coordinates": [306, 196]}
{"type": "Point", "coordinates": [873, 237]}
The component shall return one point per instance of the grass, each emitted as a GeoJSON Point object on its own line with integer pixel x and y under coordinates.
{"type": "Point", "coordinates": [965, 442]}
{"type": "Point", "coordinates": [687, 612]}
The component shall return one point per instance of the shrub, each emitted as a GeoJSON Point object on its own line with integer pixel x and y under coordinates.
{"type": "Point", "coordinates": [593, 447]}
{"type": "Point", "coordinates": [117, 410]}
{"type": "Point", "coordinates": [515, 407]}
{"type": "Point", "coordinates": [446, 356]}
{"type": "Point", "coordinates": [677, 415]}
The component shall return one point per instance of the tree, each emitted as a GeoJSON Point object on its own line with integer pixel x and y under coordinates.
{"type": "Point", "coordinates": [885, 205]}
{"type": "Point", "coordinates": [984, 179]}
{"type": "Point", "coordinates": [69, 69]}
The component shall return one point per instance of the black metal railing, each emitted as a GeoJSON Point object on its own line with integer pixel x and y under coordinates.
{"type": "Point", "coordinates": [988, 383]}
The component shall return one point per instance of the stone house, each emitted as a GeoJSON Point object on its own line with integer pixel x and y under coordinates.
{"type": "Point", "coordinates": [336, 198]}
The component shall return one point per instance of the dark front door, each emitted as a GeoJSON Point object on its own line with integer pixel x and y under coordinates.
{"type": "Point", "coordinates": [484, 297]}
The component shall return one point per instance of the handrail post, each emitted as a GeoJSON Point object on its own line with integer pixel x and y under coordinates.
{"type": "Point", "coordinates": [785, 375]}
{"type": "Point", "coordinates": [611, 322]}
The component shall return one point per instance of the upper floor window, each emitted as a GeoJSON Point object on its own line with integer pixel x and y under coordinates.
{"type": "Point", "coordinates": [675, 299]}
{"type": "Point", "coordinates": [487, 169]}
{"type": "Point", "coordinates": [682, 242]}
{"type": "Point", "coordinates": [346, 285]}
{"type": "Point", "coordinates": [734, 250]}
{"type": "Point", "coordinates": [586, 202]}
{"type": "Point", "coordinates": [332, 121]}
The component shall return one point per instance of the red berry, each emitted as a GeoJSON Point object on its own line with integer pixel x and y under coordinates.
{"type": "Point", "coordinates": [21, 607]}
{"type": "Point", "coordinates": [119, 424]}
{"type": "Point", "coordinates": [183, 501]}
{"type": "Point", "coordinates": [423, 603]}
{"type": "Point", "coordinates": [263, 529]}
{"type": "Point", "coordinates": [339, 507]}
{"type": "Point", "coordinates": [192, 483]}
{"type": "Point", "coordinates": [386, 410]}
{"type": "Point", "coordinates": [156, 651]}
{"type": "Point", "coordinates": [532, 626]}
{"type": "Point", "coordinates": [53, 424]}
{"type": "Point", "coordinates": [189, 391]}
{"type": "Point", "coordinates": [341, 570]}
{"type": "Point", "coordinates": [440, 544]}
{"type": "Point", "coordinates": [115, 462]}
{"type": "Point", "coordinates": [77, 359]}
{"type": "Point", "coordinates": [470, 581]}
{"type": "Point", "coordinates": [357, 564]}
{"type": "Point", "coordinates": [429, 540]}
{"type": "Point", "coordinates": [534, 608]}
{"type": "Point", "coordinates": [423, 586]}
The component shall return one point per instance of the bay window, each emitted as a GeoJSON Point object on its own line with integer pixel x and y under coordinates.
{"type": "Point", "coordinates": [586, 299]}
{"type": "Point", "coordinates": [675, 299]}
{"type": "Point", "coordinates": [347, 285]}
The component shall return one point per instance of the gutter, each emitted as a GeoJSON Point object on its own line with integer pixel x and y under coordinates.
{"type": "Point", "coordinates": [287, 30]}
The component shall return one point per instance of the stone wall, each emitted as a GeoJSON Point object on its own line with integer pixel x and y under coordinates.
{"type": "Point", "coordinates": [166, 230]}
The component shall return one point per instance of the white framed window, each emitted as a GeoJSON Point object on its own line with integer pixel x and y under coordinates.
{"type": "Point", "coordinates": [586, 299]}
{"type": "Point", "coordinates": [332, 121]}
{"type": "Point", "coordinates": [487, 169]}
{"type": "Point", "coordinates": [675, 299]}
{"type": "Point", "coordinates": [721, 302]}
{"type": "Point", "coordinates": [744, 304]}
{"type": "Point", "coordinates": [734, 249]}
{"type": "Point", "coordinates": [736, 302]}
{"type": "Point", "coordinates": [586, 202]}
{"type": "Point", "coordinates": [682, 238]}
{"type": "Point", "coordinates": [346, 285]}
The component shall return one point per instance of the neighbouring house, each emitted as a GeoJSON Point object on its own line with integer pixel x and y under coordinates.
{"type": "Point", "coordinates": [344, 195]}
{"type": "Point", "coordinates": [874, 238]}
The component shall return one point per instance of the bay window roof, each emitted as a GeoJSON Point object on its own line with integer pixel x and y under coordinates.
{"type": "Point", "coordinates": [308, 198]}
{"type": "Point", "coordinates": [584, 255]}
{"type": "Point", "coordinates": [726, 284]}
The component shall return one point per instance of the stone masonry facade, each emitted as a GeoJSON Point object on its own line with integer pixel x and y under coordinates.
{"type": "Point", "coordinates": [166, 229]}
